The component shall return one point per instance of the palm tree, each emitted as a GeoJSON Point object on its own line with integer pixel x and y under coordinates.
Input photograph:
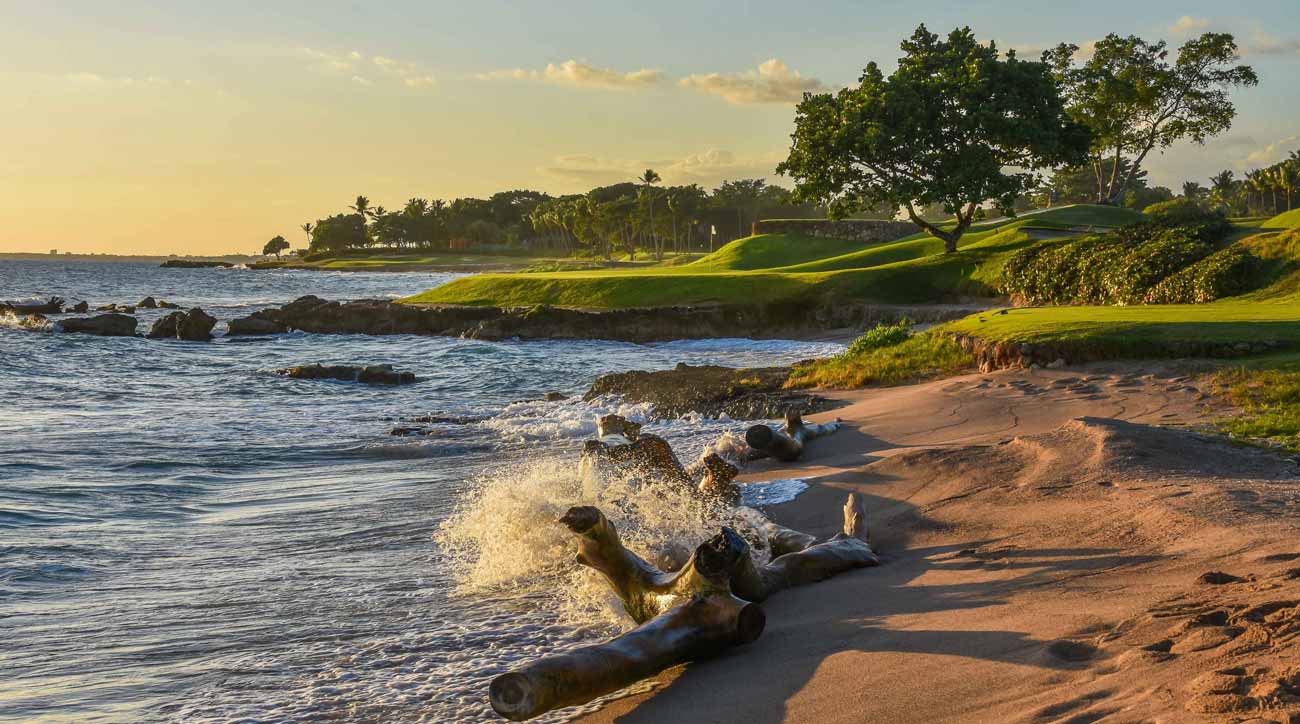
{"type": "Point", "coordinates": [1222, 186]}
{"type": "Point", "coordinates": [1288, 178]}
{"type": "Point", "coordinates": [1256, 181]}
{"type": "Point", "coordinates": [361, 206]}
{"type": "Point", "coordinates": [648, 180]}
{"type": "Point", "coordinates": [307, 227]}
{"type": "Point", "coordinates": [1192, 190]}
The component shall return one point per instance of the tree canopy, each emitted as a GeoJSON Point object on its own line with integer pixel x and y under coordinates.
{"type": "Point", "coordinates": [1134, 100]}
{"type": "Point", "coordinates": [955, 124]}
{"type": "Point", "coordinates": [276, 246]}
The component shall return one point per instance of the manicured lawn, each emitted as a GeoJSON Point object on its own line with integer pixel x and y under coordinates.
{"type": "Point", "coordinates": [1285, 220]}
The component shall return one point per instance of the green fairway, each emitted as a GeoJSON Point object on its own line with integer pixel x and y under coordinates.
{"type": "Point", "coordinates": [783, 267]}
{"type": "Point", "coordinates": [1285, 220]}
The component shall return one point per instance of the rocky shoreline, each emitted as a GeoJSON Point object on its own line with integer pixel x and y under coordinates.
{"type": "Point", "coordinates": [651, 324]}
{"type": "Point", "coordinates": [711, 391]}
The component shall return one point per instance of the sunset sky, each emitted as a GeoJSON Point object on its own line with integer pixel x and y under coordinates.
{"type": "Point", "coordinates": [210, 127]}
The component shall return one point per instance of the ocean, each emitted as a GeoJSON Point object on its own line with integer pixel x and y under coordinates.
{"type": "Point", "coordinates": [187, 536]}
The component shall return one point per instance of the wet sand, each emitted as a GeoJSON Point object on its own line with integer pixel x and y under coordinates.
{"type": "Point", "coordinates": [1057, 546]}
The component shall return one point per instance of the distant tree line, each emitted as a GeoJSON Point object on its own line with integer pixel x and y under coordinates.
{"type": "Point", "coordinates": [626, 218]}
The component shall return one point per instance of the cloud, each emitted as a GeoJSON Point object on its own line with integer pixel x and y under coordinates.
{"type": "Point", "coordinates": [1271, 153]}
{"type": "Point", "coordinates": [1030, 51]}
{"type": "Point", "coordinates": [411, 75]}
{"type": "Point", "coordinates": [707, 168]}
{"type": "Point", "coordinates": [1187, 25]}
{"type": "Point", "coordinates": [87, 78]}
{"type": "Point", "coordinates": [772, 82]}
{"type": "Point", "coordinates": [579, 73]}
{"type": "Point", "coordinates": [1264, 44]}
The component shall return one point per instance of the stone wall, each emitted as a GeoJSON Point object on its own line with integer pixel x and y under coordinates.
{"type": "Point", "coordinates": [860, 230]}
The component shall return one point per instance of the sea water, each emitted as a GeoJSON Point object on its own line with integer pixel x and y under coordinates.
{"type": "Point", "coordinates": [187, 536]}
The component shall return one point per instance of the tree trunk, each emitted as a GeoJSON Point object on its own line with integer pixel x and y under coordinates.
{"type": "Point", "coordinates": [787, 444]}
{"type": "Point", "coordinates": [701, 627]}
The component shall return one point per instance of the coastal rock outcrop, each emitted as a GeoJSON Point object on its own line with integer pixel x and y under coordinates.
{"type": "Point", "coordinates": [116, 308]}
{"type": "Point", "coordinates": [194, 326]}
{"type": "Point", "coordinates": [368, 375]}
{"type": "Point", "coordinates": [147, 303]}
{"type": "Point", "coordinates": [761, 321]}
{"type": "Point", "coordinates": [105, 325]}
{"type": "Point", "coordinates": [710, 390]}
{"type": "Point", "coordinates": [191, 264]}
{"type": "Point", "coordinates": [53, 305]}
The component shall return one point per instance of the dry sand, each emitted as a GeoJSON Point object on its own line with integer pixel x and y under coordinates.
{"type": "Point", "coordinates": [1053, 551]}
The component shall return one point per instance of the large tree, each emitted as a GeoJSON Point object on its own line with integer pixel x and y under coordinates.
{"type": "Point", "coordinates": [275, 246]}
{"type": "Point", "coordinates": [1135, 100]}
{"type": "Point", "coordinates": [956, 124]}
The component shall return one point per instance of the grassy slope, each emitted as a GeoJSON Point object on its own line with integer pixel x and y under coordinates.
{"type": "Point", "coordinates": [1285, 220]}
{"type": "Point", "coordinates": [906, 271]}
{"type": "Point", "coordinates": [1270, 313]}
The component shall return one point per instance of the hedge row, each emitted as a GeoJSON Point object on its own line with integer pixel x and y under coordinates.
{"type": "Point", "coordinates": [1128, 265]}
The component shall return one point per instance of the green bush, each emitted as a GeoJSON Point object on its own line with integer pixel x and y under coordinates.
{"type": "Point", "coordinates": [1128, 279]}
{"type": "Point", "coordinates": [1212, 225]}
{"type": "Point", "coordinates": [1226, 273]}
{"type": "Point", "coordinates": [879, 336]}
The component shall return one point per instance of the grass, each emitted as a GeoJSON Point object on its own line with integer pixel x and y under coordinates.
{"type": "Point", "coordinates": [1285, 220]}
{"type": "Point", "coordinates": [920, 356]}
{"type": "Point", "coordinates": [1269, 400]}
{"type": "Point", "coordinates": [806, 270]}
{"type": "Point", "coordinates": [405, 262]}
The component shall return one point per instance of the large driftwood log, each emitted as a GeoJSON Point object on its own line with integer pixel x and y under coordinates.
{"type": "Point", "coordinates": [716, 479]}
{"type": "Point", "coordinates": [787, 444]}
{"type": "Point", "coordinates": [700, 627]}
{"type": "Point", "coordinates": [54, 305]}
{"type": "Point", "coordinates": [645, 590]}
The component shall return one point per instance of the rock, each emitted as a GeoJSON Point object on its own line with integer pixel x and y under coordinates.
{"type": "Point", "coordinates": [164, 304]}
{"type": "Point", "coordinates": [54, 305]}
{"type": "Point", "coordinates": [410, 431]}
{"type": "Point", "coordinates": [369, 375]}
{"type": "Point", "coordinates": [147, 303]}
{"type": "Point", "coordinates": [189, 264]}
{"type": "Point", "coordinates": [1217, 578]}
{"type": "Point", "coordinates": [376, 316]}
{"type": "Point", "coordinates": [116, 309]}
{"type": "Point", "coordinates": [105, 325]}
{"type": "Point", "coordinates": [254, 325]}
{"type": "Point", "coordinates": [555, 397]}
{"type": "Point", "coordinates": [712, 391]}
{"type": "Point", "coordinates": [81, 307]}
{"type": "Point", "coordinates": [193, 326]}
{"type": "Point", "coordinates": [445, 419]}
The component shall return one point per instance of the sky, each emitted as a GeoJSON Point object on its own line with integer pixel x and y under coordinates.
{"type": "Point", "coordinates": [205, 128]}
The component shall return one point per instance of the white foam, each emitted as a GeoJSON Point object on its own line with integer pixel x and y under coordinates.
{"type": "Point", "coordinates": [772, 492]}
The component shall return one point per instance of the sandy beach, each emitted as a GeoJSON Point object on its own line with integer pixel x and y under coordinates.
{"type": "Point", "coordinates": [1057, 546]}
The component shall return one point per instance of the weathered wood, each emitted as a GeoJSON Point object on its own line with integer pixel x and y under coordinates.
{"type": "Point", "coordinates": [54, 305]}
{"type": "Point", "coordinates": [645, 590]}
{"type": "Point", "coordinates": [716, 480]}
{"type": "Point", "coordinates": [700, 627]}
{"type": "Point", "coordinates": [615, 456]}
{"type": "Point", "coordinates": [842, 552]}
{"type": "Point", "coordinates": [787, 444]}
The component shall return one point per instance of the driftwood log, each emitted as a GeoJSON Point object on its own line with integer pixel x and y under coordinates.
{"type": "Point", "coordinates": [787, 444]}
{"type": "Point", "coordinates": [697, 628]}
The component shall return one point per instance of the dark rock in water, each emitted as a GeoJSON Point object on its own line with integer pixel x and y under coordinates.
{"type": "Point", "coordinates": [53, 305]}
{"type": "Point", "coordinates": [147, 303]}
{"type": "Point", "coordinates": [445, 420]}
{"type": "Point", "coordinates": [106, 325]}
{"type": "Point", "coordinates": [712, 391]}
{"type": "Point", "coordinates": [376, 316]}
{"type": "Point", "coordinates": [410, 431]}
{"type": "Point", "coordinates": [81, 307]}
{"type": "Point", "coordinates": [369, 375]}
{"type": "Point", "coordinates": [193, 326]}
{"type": "Point", "coordinates": [555, 397]}
{"type": "Point", "coordinates": [116, 308]}
{"type": "Point", "coordinates": [164, 304]}
{"type": "Point", "coordinates": [254, 325]}
{"type": "Point", "coordinates": [188, 264]}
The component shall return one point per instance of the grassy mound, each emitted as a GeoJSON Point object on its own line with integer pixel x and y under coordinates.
{"type": "Point", "coordinates": [1285, 220]}
{"type": "Point", "coordinates": [789, 267]}
{"type": "Point", "coordinates": [914, 358]}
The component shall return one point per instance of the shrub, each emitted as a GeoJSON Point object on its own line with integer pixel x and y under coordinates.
{"type": "Point", "coordinates": [1225, 273]}
{"type": "Point", "coordinates": [882, 335]}
{"type": "Point", "coordinates": [1212, 225]}
{"type": "Point", "coordinates": [1128, 279]}
{"type": "Point", "coordinates": [918, 357]}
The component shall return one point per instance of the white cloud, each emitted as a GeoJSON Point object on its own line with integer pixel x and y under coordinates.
{"type": "Point", "coordinates": [411, 75]}
{"type": "Point", "coordinates": [1263, 43]}
{"type": "Point", "coordinates": [707, 168]}
{"type": "Point", "coordinates": [87, 78]}
{"type": "Point", "coordinates": [1187, 25]}
{"type": "Point", "coordinates": [772, 82]}
{"type": "Point", "coordinates": [579, 73]}
{"type": "Point", "coordinates": [1271, 153]}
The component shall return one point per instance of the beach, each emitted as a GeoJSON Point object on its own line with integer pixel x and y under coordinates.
{"type": "Point", "coordinates": [1052, 546]}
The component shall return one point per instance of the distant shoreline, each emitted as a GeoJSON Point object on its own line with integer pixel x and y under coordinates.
{"type": "Point", "coordinates": [127, 258]}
